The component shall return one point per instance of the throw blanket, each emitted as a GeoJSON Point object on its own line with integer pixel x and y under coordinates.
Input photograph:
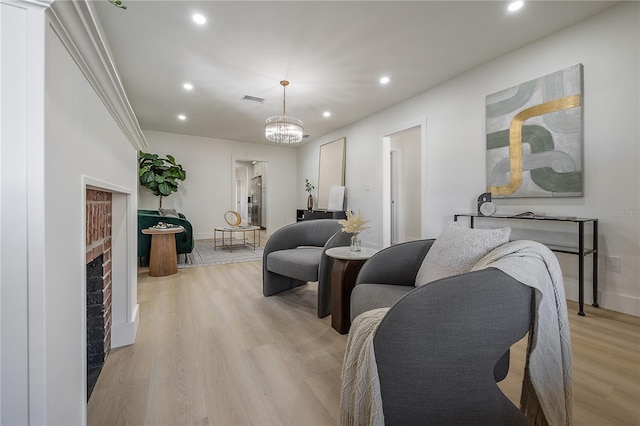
{"type": "Point", "coordinates": [360, 401]}
{"type": "Point", "coordinates": [546, 396]}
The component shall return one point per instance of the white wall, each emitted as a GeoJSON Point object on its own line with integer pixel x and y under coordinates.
{"type": "Point", "coordinates": [608, 47]}
{"type": "Point", "coordinates": [83, 144]}
{"type": "Point", "coordinates": [208, 191]}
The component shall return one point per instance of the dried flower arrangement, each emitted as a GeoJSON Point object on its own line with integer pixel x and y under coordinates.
{"type": "Point", "coordinates": [354, 223]}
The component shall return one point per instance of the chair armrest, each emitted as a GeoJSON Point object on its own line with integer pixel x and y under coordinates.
{"type": "Point", "coordinates": [396, 264]}
{"type": "Point", "coordinates": [339, 239]}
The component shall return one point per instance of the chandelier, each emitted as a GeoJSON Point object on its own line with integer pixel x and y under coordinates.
{"type": "Point", "coordinates": [283, 129]}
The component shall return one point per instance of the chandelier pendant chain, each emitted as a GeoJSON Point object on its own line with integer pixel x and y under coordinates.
{"type": "Point", "coordinates": [284, 83]}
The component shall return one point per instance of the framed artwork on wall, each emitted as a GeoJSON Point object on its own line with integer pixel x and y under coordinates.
{"type": "Point", "coordinates": [331, 171]}
{"type": "Point", "coordinates": [534, 137]}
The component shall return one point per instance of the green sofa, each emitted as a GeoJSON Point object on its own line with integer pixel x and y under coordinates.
{"type": "Point", "coordinates": [148, 218]}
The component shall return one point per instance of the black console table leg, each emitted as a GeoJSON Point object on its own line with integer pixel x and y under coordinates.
{"type": "Point", "coordinates": [581, 268]}
{"type": "Point", "coordinates": [595, 264]}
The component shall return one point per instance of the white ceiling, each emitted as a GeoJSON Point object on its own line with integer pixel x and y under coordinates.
{"type": "Point", "coordinates": [332, 52]}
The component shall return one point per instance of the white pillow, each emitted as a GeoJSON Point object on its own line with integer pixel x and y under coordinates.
{"type": "Point", "coordinates": [168, 212]}
{"type": "Point", "coordinates": [457, 249]}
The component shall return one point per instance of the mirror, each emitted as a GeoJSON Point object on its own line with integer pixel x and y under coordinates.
{"type": "Point", "coordinates": [331, 171]}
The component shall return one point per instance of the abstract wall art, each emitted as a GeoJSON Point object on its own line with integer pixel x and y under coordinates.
{"type": "Point", "coordinates": [534, 137]}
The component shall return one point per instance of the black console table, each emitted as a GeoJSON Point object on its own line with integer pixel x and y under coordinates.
{"type": "Point", "coordinates": [319, 214]}
{"type": "Point", "coordinates": [581, 250]}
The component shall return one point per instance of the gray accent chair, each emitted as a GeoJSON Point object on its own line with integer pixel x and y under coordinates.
{"type": "Point", "coordinates": [295, 255]}
{"type": "Point", "coordinates": [442, 347]}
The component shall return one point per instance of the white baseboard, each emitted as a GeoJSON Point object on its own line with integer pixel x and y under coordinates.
{"type": "Point", "coordinates": [607, 300]}
{"type": "Point", "coordinates": [619, 303]}
{"type": "Point", "coordinates": [203, 236]}
{"type": "Point", "coordinates": [124, 334]}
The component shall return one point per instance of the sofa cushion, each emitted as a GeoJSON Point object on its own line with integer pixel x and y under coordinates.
{"type": "Point", "coordinates": [300, 263]}
{"type": "Point", "coordinates": [457, 249]}
{"type": "Point", "coordinates": [366, 297]}
{"type": "Point", "coordinates": [168, 212]}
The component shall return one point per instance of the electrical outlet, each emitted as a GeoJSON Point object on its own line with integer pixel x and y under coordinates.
{"type": "Point", "coordinates": [614, 264]}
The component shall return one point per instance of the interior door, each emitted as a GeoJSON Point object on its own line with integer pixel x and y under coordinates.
{"type": "Point", "coordinates": [405, 187]}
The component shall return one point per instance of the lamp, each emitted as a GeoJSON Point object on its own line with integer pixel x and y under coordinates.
{"type": "Point", "coordinates": [283, 129]}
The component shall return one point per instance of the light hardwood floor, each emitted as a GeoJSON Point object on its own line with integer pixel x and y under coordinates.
{"type": "Point", "coordinates": [212, 350]}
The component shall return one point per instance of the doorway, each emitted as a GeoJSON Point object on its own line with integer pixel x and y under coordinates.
{"type": "Point", "coordinates": [251, 192]}
{"type": "Point", "coordinates": [403, 172]}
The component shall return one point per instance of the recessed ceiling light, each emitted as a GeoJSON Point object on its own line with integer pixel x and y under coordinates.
{"type": "Point", "coordinates": [182, 117]}
{"type": "Point", "coordinates": [384, 80]}
{"type": "Point", "coordinates": [326, 114]}
{"type": "Point", "coordinates": [188, 86]}
{"type": "Point", "coordinates": [516, 5]}
{"type": "Point", "coordinates": [199, 19]}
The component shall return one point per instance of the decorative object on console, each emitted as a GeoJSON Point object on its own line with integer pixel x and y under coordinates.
{"type": "Point", "coordinates": [309, 187]}
{"type": "Point", "coordinates": [331, 171]}
{"type": "Point", "coordinates": [336, 198]}
{"type": "Point", "coordinates": [485, 206]}
{"type": "Point", "coordinates": [319, 214]}
{"type": "Point", "coordinates": [232, 217]}
{"type": "Point", "coordinates": [283, 129]}
{"type": "Point", "coordinates": [551, 107]}
{"type": "Point", "coordinates": [354, 224]}
{"type": "Point", "coordinates": [159, 175]}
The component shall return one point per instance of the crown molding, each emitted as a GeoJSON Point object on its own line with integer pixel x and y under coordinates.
{"type": "Point", "coordinates": [29, 3]}
{"type": "Point", "coordinates": [78, 27]}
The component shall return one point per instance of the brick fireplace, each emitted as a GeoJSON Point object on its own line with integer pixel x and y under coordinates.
{"type": "Point", "coordinates": [99, 282]}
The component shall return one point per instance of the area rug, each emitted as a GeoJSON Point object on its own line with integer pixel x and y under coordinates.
{"type": "Point", "coordinates": [203, 254]}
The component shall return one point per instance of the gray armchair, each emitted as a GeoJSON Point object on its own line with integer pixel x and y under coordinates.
{"type": "Point", "coordinates": [295, 255]}
{"type": "Point", "coordinates": [442, 347]}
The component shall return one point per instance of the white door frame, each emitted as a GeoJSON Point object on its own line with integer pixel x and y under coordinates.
{"type": "Point", "coordinates": [232, 202]}
{"type": "Point", "coordinates": [386, 178]}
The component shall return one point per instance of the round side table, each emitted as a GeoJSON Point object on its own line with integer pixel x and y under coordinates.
{"type": "Point", "coordinates": [163, 259]}
{"type": "Point", "coordinates": [346, 265]}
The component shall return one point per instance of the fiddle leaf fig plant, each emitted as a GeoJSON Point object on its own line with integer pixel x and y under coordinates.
{"type": "Point", "coordinates": [160, 175]}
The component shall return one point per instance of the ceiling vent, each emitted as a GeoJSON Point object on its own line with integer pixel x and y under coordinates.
{"type": "Point", "coordinates": [250, 98]}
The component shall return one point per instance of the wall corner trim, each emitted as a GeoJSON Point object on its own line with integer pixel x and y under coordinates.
{"type": "Point", "coordinates": [124, 334]}
{"type": "Point", "coordinates": [77, 26]}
